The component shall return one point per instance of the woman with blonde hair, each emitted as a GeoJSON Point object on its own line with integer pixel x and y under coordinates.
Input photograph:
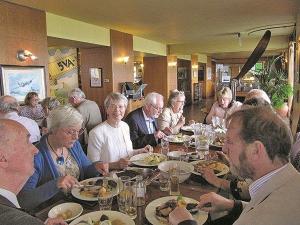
{"type": "Point", "coordinates": [224, 106]}
{"type": "Point", "coordinates": [171, 119]}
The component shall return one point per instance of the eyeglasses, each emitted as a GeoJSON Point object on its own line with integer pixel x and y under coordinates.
{"type": "Point", "coordinates": [157, 108]}
{"type": "Point", "coordinates": [73, 133]}
{"type": "Point", "coordinates": [182, 102]}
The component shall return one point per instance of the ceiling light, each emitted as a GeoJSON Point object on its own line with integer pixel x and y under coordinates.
{"type": "Point", "coordinates": [24, 55]}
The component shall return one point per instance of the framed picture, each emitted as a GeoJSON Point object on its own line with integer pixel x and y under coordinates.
{"type": "Point", "coordinates": [96, 77]}
{"type": "Point", "coordinates": [17, 81]}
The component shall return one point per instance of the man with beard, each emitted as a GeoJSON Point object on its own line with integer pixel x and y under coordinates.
{"type": "Point", "coordinates": [258, 144]}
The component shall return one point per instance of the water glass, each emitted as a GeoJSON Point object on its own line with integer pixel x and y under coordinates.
{"type": "Point", "coordinates": [105, 202]}
{"type": "Point", "coordinates": [164, 183]}
{"type": "Point", "coordinates": [187, 142]}
{"type": "Point", "coordinates": [122, 192]}
{"type": "Point", "coordinates": [174, 179]}
{"type": "Point", "coordinates": [164, 146]}
{"type": "Point", "coordinates": [130, 200]}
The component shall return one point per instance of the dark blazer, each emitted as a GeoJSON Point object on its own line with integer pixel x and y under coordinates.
{"type": "Point", "coordinates": [10, 215]}
{"type": "Point", "coordinates": [139, 134]}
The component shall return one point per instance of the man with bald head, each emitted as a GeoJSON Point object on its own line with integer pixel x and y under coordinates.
{"type": "Point", "coordinates": [16, 166]}
{"type": "Point", "coordinates": [9, 109]}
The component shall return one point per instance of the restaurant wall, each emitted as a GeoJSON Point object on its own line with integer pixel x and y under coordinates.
{"type": "Point", "coordinates": [96, 58]}
{"type": "Point", "coordinates": [209, 83]}
{"type": "Point", "coordinates": [121, 46]}
{"type": "Point", "coordinates": [23, 28]}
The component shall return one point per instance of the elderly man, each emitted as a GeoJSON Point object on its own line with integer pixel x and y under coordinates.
{"type": "Point", "coordinates": [258, 144]}
{"type": "Point", "coordinates": [142, 122]}
{"type": "Point", "coordinates": [89, 111]}
{"type": "Point", "coordinates": [9, 108]}
{"type": "Point", "coordinates": [16, 166]}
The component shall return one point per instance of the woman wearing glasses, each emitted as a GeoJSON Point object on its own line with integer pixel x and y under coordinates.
{"type": "Point", "coordinates": [171, 119]}
{"type": "Point", "coordinates": [110, 141]}
{"type": "Point", "coordinates": [60, 162]}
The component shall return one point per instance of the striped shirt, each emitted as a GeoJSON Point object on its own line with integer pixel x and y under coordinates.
{"type": "Point", "coordinates": [256, 185]}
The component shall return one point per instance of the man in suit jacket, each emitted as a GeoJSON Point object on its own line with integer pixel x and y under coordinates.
{"type": "Point", "coordinates": [16, 166]}
{"type": "Point", "coordinates": [142, 122]}
{"type": "Point", "coordinates": [258, 143]}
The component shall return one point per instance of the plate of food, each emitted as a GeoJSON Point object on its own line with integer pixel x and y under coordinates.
{"type": "Point", "coordinates": [187, 128]}
{"type": "Point", "coordinates": [157, 212]}
{"type": "Point", "coordinates": [103, 217]}
{"type": "Point", "coordinates": [148, 159]}
{"type": "Point", "coordinates": [219, 168]}
{"type": "Point", "coordinates": [90, 189]}
{"type": "Point", "coordinates": [176, 138]}
{"type": "Point", "coordinates": [67, 211]}
{"type": "Point", "coordinates": [218, 142]}
{"type": "Point", "coordinates": [133, 172]}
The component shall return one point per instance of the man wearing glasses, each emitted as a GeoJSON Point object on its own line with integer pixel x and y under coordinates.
{"type": "Point", "coordinates": [142, 122]}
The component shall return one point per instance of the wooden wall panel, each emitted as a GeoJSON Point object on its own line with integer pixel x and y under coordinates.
{"type": "Point", "coordinates": [155, 75]}
{"type": "Point", "coordinates": [171, 74]}
{"type": "Point", "coordinates": [121, 45]}
{"type": "Point", "coordinates": [96, 58]}
{"type": "Point", "coordinates": [209, 84]}
{"type": "Point", "coordinates": [23, 28]}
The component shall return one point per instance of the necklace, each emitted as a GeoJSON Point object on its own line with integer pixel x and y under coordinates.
{"type": "Point", "coordinates": [60, 160]}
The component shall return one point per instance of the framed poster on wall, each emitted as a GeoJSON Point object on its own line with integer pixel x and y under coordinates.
{"type": "Point", "coordinates": [96, 77]}
{"type": "Point", "coordinates": [17, 81]}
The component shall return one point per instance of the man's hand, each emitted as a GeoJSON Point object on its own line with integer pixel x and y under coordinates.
{"type": "Point", "coordinates": [55, 221]}
{"type": "Point", "coordinates": [123, 163]}
{"type": "Point", "coordinates": [167, 131]}
{"type": "Point", "coordinates": [178, 215]}
{"type": "Point", "coordinates": [66, 182]}
{"type": "Point", "coordinates": [159, 135]}
{"type": "Point", "coordinates": [213, 202]}
{"type": "Point", "coordinates": [102, 168]}
{"type": "Point", "coordinates": [181, 121]}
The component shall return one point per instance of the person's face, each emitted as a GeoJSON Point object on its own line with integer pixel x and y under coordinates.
{"type": "Point", "coordinates": [155, 110]}
{"type": "Point", "coordinates": [178, 104]}
{"type": "Point", "coordinates": [74, 101]}
{"type": "Point", "coordinates": [116, 110]}
{"type": "Point", "coordinates": [223, 102]}
{"type": "Point", "coordinates": [34, 101]}
{"type": "Point", "coordinates": [67, 136]}
{"type": "Point", "coordinates": [237, 149]}
{"type": "Point", "coordinates": [22, 158]}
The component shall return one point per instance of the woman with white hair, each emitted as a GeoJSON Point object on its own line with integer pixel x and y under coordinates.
{"type": "Point", "coordinates": [224, 106]}
{"type": "Point", "coordinates": [60, 162]}
{"type": "Point", "coordinates": [171, 119]}
{"type": "Point", "coordinates": [110, 141]}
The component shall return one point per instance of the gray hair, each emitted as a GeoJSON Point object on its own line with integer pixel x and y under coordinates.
{"type": "Point", "coordinates": [50, 103]}
{"type": "Point", "coordinates": [151, 98]}
{"type": "Point", "coordinates": [77, 92]}
{"type": "Point", "coordinates": [258, 93]}
{"type": "Point", "coordinates": [63, 117]}
{"type": "Point", "coordinates": [225, 92]}
{"type": "Point", "coordinates": [173, 96]}
{"type": "Point", "coordinates": [115, 96]}
{"type": "Point", "coordinates": [8, 104]}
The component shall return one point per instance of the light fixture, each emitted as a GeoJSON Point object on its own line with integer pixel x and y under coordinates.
{"type": "Point", "coordinates": [172, 63]}
{"type": "Point", "coordinates": [125, 59]}
{"type": "Point", "coordinates": [24, 55]}
{"type": "Point", "coordinates": [195, 66]}
{"type": "Point", "coordinates": [142, 65]}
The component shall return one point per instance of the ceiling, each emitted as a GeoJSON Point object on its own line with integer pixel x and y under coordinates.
{"type": "Point", "coordinates": [188, 26]}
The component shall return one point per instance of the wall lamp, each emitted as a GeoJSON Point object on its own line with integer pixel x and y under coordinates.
{"type": "Point", "coordinates": [24, 55]}
{"type": "Point", "coordinates": [172, 63]}
{"type": "Point", "coordinates": [195, 66]}
{"type": "Point", "coordinates": [125, 59]}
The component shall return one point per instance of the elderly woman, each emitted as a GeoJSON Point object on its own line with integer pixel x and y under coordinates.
{"type": "Point", "coordinates": [171, 119]}
{"type": "Point", "coordinates": [224, 106]}
{"type": "Point", "coordinates": [48, 104]}
{"type": "Point", "coordinates": [32, 109]}
{"type": "Point", "coordinates": [60, 162]}
{"type": "Point", "coordinates": [110, 141]}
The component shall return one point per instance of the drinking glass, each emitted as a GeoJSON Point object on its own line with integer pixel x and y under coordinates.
{"type": "Point", "coordinates": [130, 200]}
{"type": "Point", "coordinates": [174, 179]}
{"type": "Point", "coordinates": [122, 192]}
{"type": "Point", "coordinates": [164, 146]}
{"type": "Point", "coordinates": [164, 183]}
{"type": "Point", "coordinates": [187, 142]}
{"type": "Point", "coordinates": [105, 202]}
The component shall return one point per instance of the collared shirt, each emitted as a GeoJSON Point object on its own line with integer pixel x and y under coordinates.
{"type": "Point", "coordinates": [149, 123]}
{"type": "Point", "coordinates": [29, 124]}
{"type": "Point", "coordinates": [10, 197]}
{"type": "Point", "coordinates": [256, 185]}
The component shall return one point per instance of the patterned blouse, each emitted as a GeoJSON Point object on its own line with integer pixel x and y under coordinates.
{"type": "Point", "coordinates": [35, 113]}
{"type": "Point", "coordinates": [70, 167]}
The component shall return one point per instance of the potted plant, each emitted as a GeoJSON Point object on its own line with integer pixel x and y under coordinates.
{"type": "Point", "coordinates": [273, 80]}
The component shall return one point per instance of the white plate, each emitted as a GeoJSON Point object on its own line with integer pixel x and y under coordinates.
{"type": "Point", "coordinates": [112, 215]}
{"type": "Point", "coordinates": [139, 159]}
{"type": "Point", "coordinates": [74, 208]}
{"type": "Point", "coordinates": [200, 217]}
{"type": "Point", "coordinates": [76, 190]}
{"type": "Point", "coordinates": [187, 128]}
{"type": "Point", "coordinates": [224, 171]}
{"type": "Point", "coordinates": [175, 138]}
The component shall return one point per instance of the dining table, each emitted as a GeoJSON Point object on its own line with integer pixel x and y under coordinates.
{"type": "Point", "coordinates": [193, 188]}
